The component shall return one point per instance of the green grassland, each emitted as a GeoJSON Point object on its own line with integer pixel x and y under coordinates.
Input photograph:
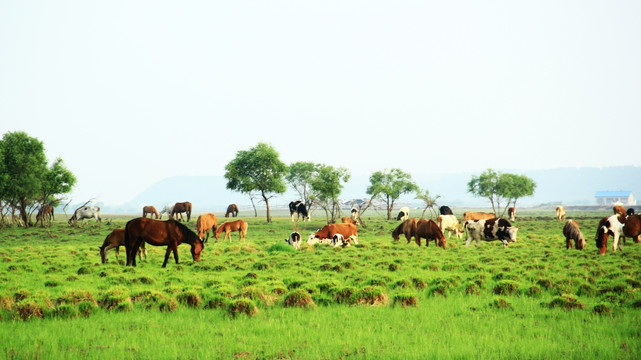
{"type": "Point", "coordinates": [261, 299]}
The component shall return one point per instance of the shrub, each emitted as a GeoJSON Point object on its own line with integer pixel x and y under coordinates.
{"type": "Point", "coordinates": [533, 291]}
{"type": "Point", "coordinates": [419, 284]}
{"type": "Point", "coordinates": [87, 308]}
{"type": "Point", "coordinates": [189, 298]}
{"type": "Point", "coordinates": [472, 289]}
{"type": "Point", "coordinates": [168, 305]}
{"type": "Point", "coordinates": [75, 296]}
{"type": "Point", "coordinates": [83, 271]}
{"type": "Point", "coordinates": [242, 306]}
{"type": "Point", "coordinates": [216, 302]}
{"type": "Point", "coordinates": [299, 298]}
{"type": "Point", "coordinates": [344, 295]}
{"type": "Point", "coordinates": [27, 310]}
{"type": "Point", "coordinates": [116, 299]}
{"type": "Point", "coordinates": [601, 309]}
{"type": "Point", "coordinates": [405, 300]}
{"type": "Point", "coordinates": [565, 302]}
{"type": "Point", "coordinates": [505, 287]}
{"type": "Point", "coordinates": [65, 311]}
{"type": "Point", "coordinates": [370, 295]}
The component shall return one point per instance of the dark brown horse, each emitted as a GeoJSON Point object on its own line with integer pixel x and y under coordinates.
{"type": "Point", "coordinates": [181, 207]}
{"type": "Point", "coordinates": [168, 233]}
{"type": "Point", "coordinates": [232, 209]}
{"type": "Point", "coordinates": [115, 240]}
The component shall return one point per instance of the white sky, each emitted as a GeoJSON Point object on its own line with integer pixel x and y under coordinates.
{"type": "Point", "coordinates": [131, 92]}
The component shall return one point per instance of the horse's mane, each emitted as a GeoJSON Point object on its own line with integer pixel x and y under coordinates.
{"type": "Point", "coordinates": [187, 233]}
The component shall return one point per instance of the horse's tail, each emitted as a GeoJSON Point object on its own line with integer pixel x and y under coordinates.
{"type": "Point", "coordinates": [128, 244]}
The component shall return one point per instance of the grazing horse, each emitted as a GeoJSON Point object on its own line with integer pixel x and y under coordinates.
{"type": "Point", "coordinates": [560, 213]}
{"type": "Point", "coordinates": [572, 232]}
{"type": "Point", "coordinates": [115, 240]}
{"type": "Point", "coordinates": [204, 223]}
{"type": "Point", "coordinates": [232, 209]}
{"type": "Point", "coordinates": [168, 233]}
{"type": "Point", "coordinates": [149, 210]}
{"type": "Point", "coordinates": [45, 213]}
{"type": "Point", "coordinates": [231, 226]}
{"type": "Point", "coordinates": [181, 207]}
{"type": "Point", "coordinates": [407, 228]}
{"type": "Point", "coordinates": [511, 212]}
{"type": "Point", "coordinates": [167, 209]}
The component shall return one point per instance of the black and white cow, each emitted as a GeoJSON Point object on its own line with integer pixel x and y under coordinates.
{"type": "Point", "coordinates": [490, 230]}
{"type": "Point", "coordinates": [294, 240]}
{"type": "Point", "coordinates": [298, 208]}
{"type": "Point", "coordinates": [339, 240]}
{"type": "Point", "coordinates": [445, 210]}
{"type": "Point", "coordinates": [404, 214]}
{"type": "Point", "coordinates": [85, 212]}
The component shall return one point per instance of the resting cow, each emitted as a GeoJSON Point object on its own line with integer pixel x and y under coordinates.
{"type": "Point", "coordinates": [490, 230]}
{"type": "Point", "coordinates": [404, 214]}
{"type": "Point", "coordinates": [449, 223]}
{"type": "Point", "coordinates": [328, 231]}
{"type": "Point", "coordinates": [339, 240]}
{"type": "Point", "coordinates": [572, 233]}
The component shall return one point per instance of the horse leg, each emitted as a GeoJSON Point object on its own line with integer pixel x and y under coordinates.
{"type": "Point", "coordinates": [176, 253]}
{"type": "Point", "coordinates": [164, 264]}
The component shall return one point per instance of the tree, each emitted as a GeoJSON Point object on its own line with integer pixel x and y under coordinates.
{"type": "Point", "coordinates": [326, 186]}
{"type": "Point", "coordinates": [501, 188]}
{"type": "Point", "coordinates": [257, 169]}
{"type": "Point", "coordinates": [430, 202]}
{"type": "Point", "coordinates": [300, 177]}
{"type": "Point", "coordinates": [389, 186]}
{"type": "Point", "coordinates": [25, 179]}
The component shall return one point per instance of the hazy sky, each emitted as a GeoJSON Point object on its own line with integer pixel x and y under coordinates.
{"type": "Point", "coordinates": [131, 92]}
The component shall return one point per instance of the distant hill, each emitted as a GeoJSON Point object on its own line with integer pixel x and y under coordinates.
{"type": "Point", "coordinates": [570, 186]}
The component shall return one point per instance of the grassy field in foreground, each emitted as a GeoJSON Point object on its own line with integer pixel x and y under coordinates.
{"type": "Point", "coordinates": [261, 299]}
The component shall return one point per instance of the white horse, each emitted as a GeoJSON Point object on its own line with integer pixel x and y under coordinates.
{"type": "Point", "coordinates": [167, 209]}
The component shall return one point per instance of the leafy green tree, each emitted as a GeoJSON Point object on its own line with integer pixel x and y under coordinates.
{"type": "Point", "coordinates": [300, 177]}
{"type": "Point", "coordinates": [25, 179]}
{"type": "Point", "coordinates": [500, 188]}
{"type": "Point", "coordinates": [258, 169]}
{"type": "Point", "coordinates": [389, 186]}
{"type": "Point", "coordinates": [326, 186]}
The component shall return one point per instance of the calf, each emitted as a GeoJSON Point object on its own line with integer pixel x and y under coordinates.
{"type": "Point", "coordinates": [490, 230]}
{"type": "Point", "coordinates": [294, 240]}
{"type": "Point", "coordinates": [572, 233]}
{"type": "Point", "coordinates": [449, 223]}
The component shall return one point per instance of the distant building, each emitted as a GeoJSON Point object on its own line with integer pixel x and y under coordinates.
{"type": "Point", "coordinates": [615, 197]}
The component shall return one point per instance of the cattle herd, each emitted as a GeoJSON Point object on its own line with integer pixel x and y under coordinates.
{"type": "Point", "coordinates": [477, 226]}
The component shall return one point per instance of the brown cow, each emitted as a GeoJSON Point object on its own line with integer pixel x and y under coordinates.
{"type": "Point", "coordinates": [618, 210]}
{"type": "Point", "coordinates": [149, 210]}
{"type": "Point", "coordinates": [116, 239]}
{"type": "Point", "coordinates": [232, 209]}
{"type": "Point", "coordinates": [572, 233]}
{"type": "Point", "coordinates": [231, 226]}
{"type": "Point", "coordinates": [477, 216]}
{"type": "Point", "coordinates": [328, 231]}
{"type": "Point", "coordinates": [429, 230]}
{"type": "Point", "coordinates": [181, 207]}
{"type": "Point", "coordinates": [204, 223]}
{"type": "Point", "coordinates": [349, 220]}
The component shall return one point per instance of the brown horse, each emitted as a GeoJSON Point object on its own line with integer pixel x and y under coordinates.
{"type": "Point", "coordinates": [231, 226]}
{"type": "Point", "coordinates": [168, 233]}
{"type": "Point", "coordinates": [407, 228]}
{"type": "Point", "coordinates": [45, 213]}
{"type": "Point", "coordinates": [181, 207]}
{"type": "Point", "coordinates": [572, 233]}
{"type": "Point", "coordinates": [232, 209]}
{"type": "Point", "coordinates": [204, 223]}
{"type": "Point", "coordinates": [149, 210]}
{"type": "Point", "coordinates": [115, 240]}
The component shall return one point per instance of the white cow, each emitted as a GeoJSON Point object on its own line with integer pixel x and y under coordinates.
{"type": "Point", "coordinates": [314, 240]}
{"type": "Point", "coordinates": [404, 214]}
{"type": "Point", "coordinates": [449, 223]}
{"type": "Point", "coordinates": [85, 212]}
{"type": "Point", "coordinates": [294, 240]}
